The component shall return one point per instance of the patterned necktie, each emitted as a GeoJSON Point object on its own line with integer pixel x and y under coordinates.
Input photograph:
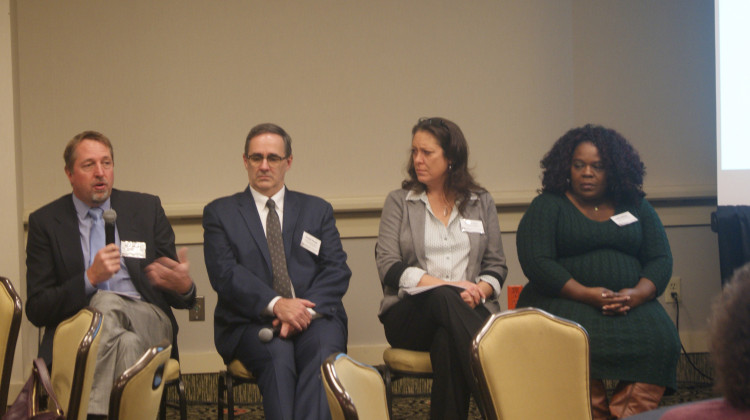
{"type": "Point", "coordinates": [282, 284]}
{"type": "Point", "coordinates": [96, 238]}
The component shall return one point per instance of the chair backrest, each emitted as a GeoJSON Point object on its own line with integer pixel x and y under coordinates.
{"type": "Point", "coordinates": [74, 350]}
{"type": "Point", "coordinates": [532, 365]}
{"type": "Point", "coordinates": [10, 323]}
{"type": "Point", "coordinates": [136, 394]}
{"type": "Point", "coordinates": [354, 390]}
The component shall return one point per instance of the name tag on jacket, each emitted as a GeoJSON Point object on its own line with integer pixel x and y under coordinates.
{"type": "Point", "coordinates": [472, 226]}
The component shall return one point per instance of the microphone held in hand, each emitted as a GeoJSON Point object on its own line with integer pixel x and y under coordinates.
{"type": "Point", "coordinates": [267, 334]}
{"type": "Point", "coordinates": [109, 225]}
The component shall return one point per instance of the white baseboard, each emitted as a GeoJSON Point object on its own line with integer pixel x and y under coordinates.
{"type": "Point", "coordinates": [208, 362]}
{"type": "Point", "coordinates": [370, 354]}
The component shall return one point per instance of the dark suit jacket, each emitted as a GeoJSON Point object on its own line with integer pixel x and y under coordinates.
{"type": "Point", "coordinates": [239, 265]}
{"type": "Point", "coordinates": [55, 266]}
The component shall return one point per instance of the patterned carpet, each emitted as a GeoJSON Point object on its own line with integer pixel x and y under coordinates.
{"type": "Point", "coordinates": [414, 407]}
{"type": "Point", "coordinates": [201, 393]}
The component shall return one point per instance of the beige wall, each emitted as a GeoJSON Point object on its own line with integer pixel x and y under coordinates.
{"type": "Point", "coordinates": [11, 207]}
{"type": "Point", "coordinates": [177, 85]}
{"type": "Point", "coordinates": [647, 68]}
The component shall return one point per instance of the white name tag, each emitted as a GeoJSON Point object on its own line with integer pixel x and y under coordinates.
{"type": "Point", "coordinates": [310, 243]}
{"type": "Point", "coordinates": [132, 249]}
{"type": "Point", "coordinates": [472, 226]}
{"type": "Point", "coordinates": [624, 219]}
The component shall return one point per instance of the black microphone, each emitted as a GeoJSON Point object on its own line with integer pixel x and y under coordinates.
{"type": "Point", "coordinates": [109, 225]}
{"type": "Point", "coordinates": [268, 333]}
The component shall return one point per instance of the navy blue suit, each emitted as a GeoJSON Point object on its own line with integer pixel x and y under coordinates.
{"type": "Point", "coordinates": [239, 267]}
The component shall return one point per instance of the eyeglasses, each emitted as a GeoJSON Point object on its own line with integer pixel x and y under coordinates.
{"type": "Point", "coordinates": [274, 160]}
{"type": "Point", "coordinates": [432, 121]}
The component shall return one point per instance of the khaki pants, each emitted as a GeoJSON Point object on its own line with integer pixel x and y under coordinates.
{"type": "Point", "coordinates": [129, 328]}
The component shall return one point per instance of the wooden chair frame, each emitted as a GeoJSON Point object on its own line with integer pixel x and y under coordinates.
{"type": "Point", "coordinates": [391, 375]}
{"type": "Point", "coordinates": [14, 325]}
{"type": "Point", "coordinates": [179, 385]}
{"type": "Point", "coordinates": [228, 379]}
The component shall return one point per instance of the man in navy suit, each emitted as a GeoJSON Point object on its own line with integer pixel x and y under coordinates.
{"type": "Point", "coordinates": [242, 261]}
{"type": "Point", "coordinates": [134, 281]}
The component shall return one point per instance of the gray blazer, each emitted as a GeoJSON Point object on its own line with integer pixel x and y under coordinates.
{"type": "Point", "coordinates": [401, 243]}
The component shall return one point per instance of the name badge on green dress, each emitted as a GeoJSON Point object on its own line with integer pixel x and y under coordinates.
{"type": "Point", "coordinates": [624, 219]}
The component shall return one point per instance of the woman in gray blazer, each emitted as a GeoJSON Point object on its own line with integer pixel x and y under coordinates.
{"type": "Point", "coordinates": [440, 229]}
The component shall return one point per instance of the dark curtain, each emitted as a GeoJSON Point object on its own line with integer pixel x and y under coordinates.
{"type": "Point", "coordinates": [732, 223]}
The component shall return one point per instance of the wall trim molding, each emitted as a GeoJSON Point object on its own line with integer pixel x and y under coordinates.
{"type": "Point", "coordinates": [502, 199]}
{"type": "Point", "coordinates": [360, 217]}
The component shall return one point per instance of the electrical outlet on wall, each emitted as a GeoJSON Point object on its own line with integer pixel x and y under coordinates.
{"type": "Point", "coordinates": [198, 312]}
{"type": "Point", "coordinates": [673, 288]}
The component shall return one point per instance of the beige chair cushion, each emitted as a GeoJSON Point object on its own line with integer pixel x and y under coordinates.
{"type": "Point", "coordinates": [407, 360]}
{"type": "Point", "coordinates": [351, 385]}
{"type": "Point", "coordinates": [172, 370]}
{"type": "Point", "coordinates": [140, 386]}
{"type": "Point", "coordinates": [534, 366]}
{"type": "Point", "coordinates": [236, 368]}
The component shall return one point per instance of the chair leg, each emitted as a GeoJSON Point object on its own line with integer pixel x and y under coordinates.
{"type": "Point", "coordinates": [163, 405]}
{"type": "Point", "coordinates": [388, 389]}
{"type": "Point", "coordinates": [182, 398]}
{"type": "Point", "coordinates": [230, 397]}
{"type": "Point", "coordinates": [222, 394]}
{"type": "Point", "coordinates": [180, 395]}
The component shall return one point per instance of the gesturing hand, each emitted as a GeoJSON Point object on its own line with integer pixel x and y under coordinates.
{"type": "Point", "coordinates": [169, 274]}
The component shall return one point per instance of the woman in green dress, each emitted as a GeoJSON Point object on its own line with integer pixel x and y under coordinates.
{"type": "Point", "coordinates": [595, 252]}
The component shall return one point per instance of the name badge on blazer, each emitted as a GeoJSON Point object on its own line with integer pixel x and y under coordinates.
{"type": "Point", "coordinates": [131, 249]}
{"type": "Point", "coordinates": [310, 243]}
{"type": "Point", "coordinates": [472, 226]}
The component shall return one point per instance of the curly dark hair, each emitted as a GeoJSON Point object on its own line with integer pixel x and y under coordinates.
{"type": "Point", "coordinates": [451, 139]}
{"type": "Point", "coordinates": [730, 340]}
{"type": "Point", "coordinates": [622, 164]}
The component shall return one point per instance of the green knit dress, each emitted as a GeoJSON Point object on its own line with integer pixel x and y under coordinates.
{"type": "Point", "coordinates": [556, 242]}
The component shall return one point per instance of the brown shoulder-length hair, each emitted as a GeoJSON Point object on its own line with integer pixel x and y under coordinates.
{"type": "Point", "coordinates": [730, 340]}
{"type": "Point", "coordinates": [622, 164]}
{"type": "Point", "coordinates": [455, 149]}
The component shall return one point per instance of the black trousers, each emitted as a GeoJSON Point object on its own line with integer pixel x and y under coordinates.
{"type": "Point", "coordinates": [440, 322]}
